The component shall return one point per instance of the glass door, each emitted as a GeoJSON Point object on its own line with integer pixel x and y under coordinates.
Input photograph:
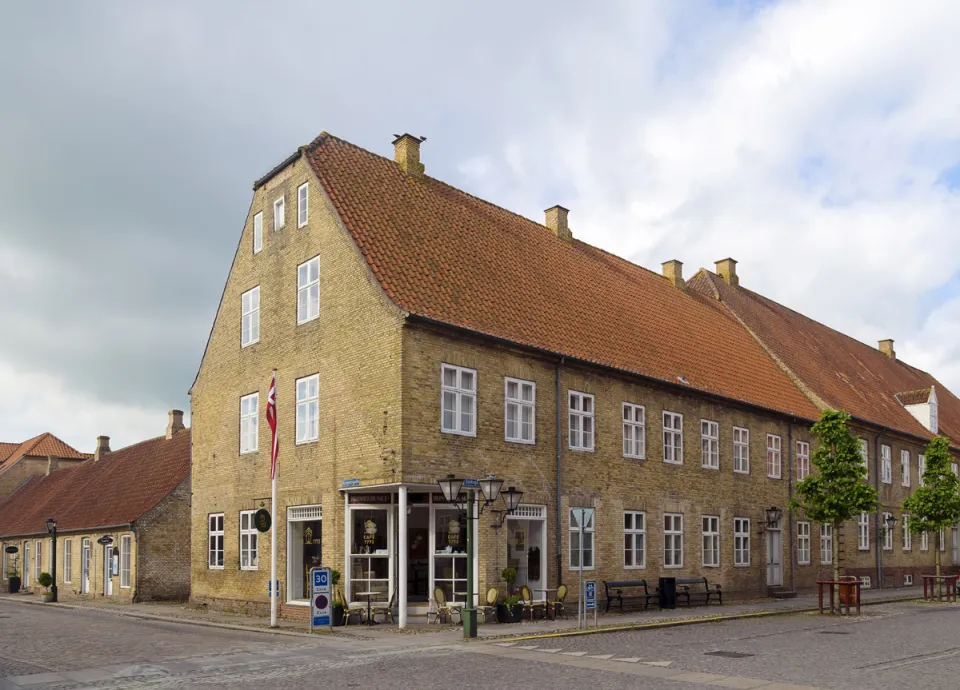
{"type": "Point", "coordinates": [450, 554]}
{"type": "Point", "coordinates": [418, 555]}
{"type": "Point", "coordinates": [369, 554]}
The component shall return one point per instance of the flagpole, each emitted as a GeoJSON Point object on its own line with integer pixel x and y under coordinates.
{"type": "Point", "coordinates": [274, 585]}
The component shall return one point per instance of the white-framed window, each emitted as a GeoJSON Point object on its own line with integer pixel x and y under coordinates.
{"type": "Point", "coordinates": [803, 543]}
{"type": "Point", "coordinates": [634, 539]}
{"type": "Point", "coordinates": [710, 541]}
{"type": "Point", "coordinates": [905, 535]}
{"type": "Point", "coordinates": [249, 554]}
{"type": "Point", "coordinates": [774, 456]}
{"type": "Point", "coordinates": [580, 410]}
{"type": "Point", "coordinates": [741, 450]}
{"type": "Point", "coordinates": [3, 561]}
{"type": "Point", "coordinates": [279, 214]}
{"type": "Point", "coordinates": [942, 540]}
{"type": "Point", "coordinates": [634, 431]}
{"type": "Point", "coordinates": [887, 534]}
{"type": "Point", "coordinates": [258, 232]}
{"type": "Point", "coordinates": [249, 423]}
{"type": "Point", "coordinates": [955, 468]}
{"type": "Point", "coordinates": [865, 456]}
{"type": "Point", "coordinates": [924, 541]}
{"type": "Point", "coordinates": [905, 468]}
{"type": "Point", "coordinates": [520, 410]}
{"type": "Point", "coordinates": [250, 317]}
{"type": "Point", "coordinates": [458, 402]}
{"type": "Point", "coordinates": [710, 444]}
{"type": "Point", "coordinates": [672, 540]}
{"type": "Point", "coordinates": [921, 468]}
{"type": "Point", "coordinates": [308, 290]}
{"type": "Point", "coordinates": [125, 543]}
{"type": "Point", "coordinates": [308, 409]}
{"type": "Point", "coordinates": [215, 541]}
{"type": "Point", "coordinates": [741, 541]}
{"type": "Point", "coordinates": [865, 581]}
{"type": "Point", "coordinates": [302, 205]}
{"type": "Point", "coordinates": [886, 464]}
{"type": "Point", "coordinates": [38, 561]}
{"type": "Point", "coordinates": [673, 437]}
{"type": "Point", "coordinates": [826, 544]}
{"type": "Point", "coordinates": [803, 462]}
{"type": "Point", "coordinates": [863, 532]}
{"type": "Point", "coordinates": [908, 579]}
{"type": "Point", "coordinates": [588, 527]}
{"type": "Point", "coordinates": [68, 560]}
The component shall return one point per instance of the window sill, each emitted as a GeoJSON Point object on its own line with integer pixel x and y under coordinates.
{"type": "Point", "coordinates": [673, 567]}
{"type": "Point", "coordinates": [672, 462]}
{"type": "Point", "coordinates": [248, 569]}
{"type": "Point", "coordinates": [741, 565]}
{"type": "Point", "coordinates": [575, 569]}
{"type": "Point", "coordinates": [520, 441]}
{"type": "Point", "coordinates": [635, 457]}
{"type": "Point", "coordinates": [803, 562]}
{"type": "Point", "coordinates": [580, 450]}
{"type": "Point", "coordinates": [471, 434]}
{"type": "Point", "coordinates": [252, 342]}
{"type": "Point", "coordinates": [771, 476]}
{"type": "Point", "coordinates": [743, 472]}
{"type": "Point", "coordinates": [312, 318]}
{"type": "Point", "coordinates": [307, 442]}
{"type": "Point", "coordinates": [710, 467]}
{"type": "Point", "coordinates": [249, 452]}
{"type": "Point", "coordinates": [297, 602]}
{"type": "Point", "coordinates": [710, 566]}
{"type": "Point", "coordinates": [214, 567]}
{"type": "Point", "coordinates": [633, 567]}
{"type": "Point", "coordinates": [302, 225]}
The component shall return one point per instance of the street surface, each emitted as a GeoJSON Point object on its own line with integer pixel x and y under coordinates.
{"type": "Point", "coordinates": [909, 645]}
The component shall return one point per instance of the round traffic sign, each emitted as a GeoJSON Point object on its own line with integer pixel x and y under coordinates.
{"type": "Point", "coordinates": [321, 601]}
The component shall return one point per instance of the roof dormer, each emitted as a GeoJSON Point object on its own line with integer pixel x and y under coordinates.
{"type": "Point", "coordinates": [922, 404]}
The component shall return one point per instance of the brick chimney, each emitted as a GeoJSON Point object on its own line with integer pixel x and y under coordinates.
{"type": "Point", "coordinates": [556, 220]}
{"type": "Point", "coordinates": [52, 464]}
{"type": "Point", "coordinates": [886, 347]}
{"type": "Point", "coordinates": [673, 271]}
{"type": "Point", "coordinates": [727, 269]}
{"type": "Point", "coordinates": [406, 153]}
{"type": "Point", "coordinates": [174, 422]}
{"type": "Point", "coordinates": [103, 447]}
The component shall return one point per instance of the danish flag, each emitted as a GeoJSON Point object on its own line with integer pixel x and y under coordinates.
{"type": "Point", "coordinates": [272, 421]}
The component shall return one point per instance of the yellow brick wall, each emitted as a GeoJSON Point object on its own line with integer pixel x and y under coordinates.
{"type": "Point", "coordinates": [18, 473]}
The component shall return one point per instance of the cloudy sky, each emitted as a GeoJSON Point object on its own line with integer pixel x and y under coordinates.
{"type": "Point", "coordinates": [817, 142]}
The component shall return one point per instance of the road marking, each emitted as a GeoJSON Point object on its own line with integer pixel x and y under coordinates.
{"type": "Point", "coordinates": [549, 651]}
{"type": "Point", "coordinates": [602, 657]}
{"type": "Point", "coordinates": [576, 654]}
{"type": "Point", "coordinates": [662, 664]}
{"type": "Point", "coordinates": [505, 644]}
{"type": "Point", "coordinates": [528, 646]}
{"type": "Point", "coordinates": [629, 659]}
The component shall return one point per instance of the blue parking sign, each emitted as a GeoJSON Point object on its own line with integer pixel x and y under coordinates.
{"type": "Point", "coordinates": [590, 595]}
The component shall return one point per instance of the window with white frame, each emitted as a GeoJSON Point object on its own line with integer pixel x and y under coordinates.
{"type": "Point", "coordinates": [924, 541]}
{"type": "Point", "coordinates": [588, 527]}
{"type": "Point", "coordinates": [279, 214]}
{"type": "Point", "coordinates": [250, 317]}
{"type": "Point", "coordinates": [710, 444]}
{"type": "Point", "coordinates": [863, 532]}
{"type": "Point", "coordinates": [954, 468]}
{"type": "Point", "coordinates": [741, 541]}
{"type": "Point", "coordinates": [803, 543]}
{"type": "Point", "coordinates": [215, 541]}
{"type": "Point", "coordinates": [302, 205]}
{"type": "Point", "coordinates": [887, 533]}
{"type": "Point", "coordinates": [4, 556]}
{"type": "Point", "coordinates": [942, 540]}
{"type": "Point", "coordinates": [258, 232]}
{"type": "Point", "coordinates": [458, 400]}
{"type": "Point", "coordinates": [672, 540]}
{"type": "Point", "coordinates": [826, 544]}
{"type": "Point", "coordinates": [249, 423]}
{"type": "Point", "coordinates": [905, 468]}
{"type": "Point", "coordinates": [803, 460]}
{"type": "Point", "coordinates": [921, 468]}
{"type": "Point", "coordinates": [68, 560]}
{"type": "Point", "coordinates": [741, 450]}
{"type": "Point", "coordinates": [905, 535]}
{"type": "Point", "coordinates": [865, 457]}
{"type": "Point", "coordinates": [710, 542]}
{"type": "Point", "coordinates": [308, 409]}
{"type": "Point", "coordinates": [673, 437]}
{"type": "Point", "coordinates": [249, 554]}
{"type": "Point", "coordinates": [634, 539]}
{"type": "Point", "coordinates": [125, 561]}
{"type": "Point", "coordinates": [308, 290]}
{"type": "Point", "coordinates": [634, 431]}
{"type": "Point", "coordinates": [580, 409]}
{"type": "Point", "coordinates": [38, 562]}
{"type": "Point", "coordinates": [774, 456]}
{"type": "Point", "coordinates": [886, 464]}
{"type": "Point", "coordinates": [520, 410]}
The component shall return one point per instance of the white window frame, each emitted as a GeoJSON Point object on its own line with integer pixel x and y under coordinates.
{"type": "Point", "coordinates": [214, 541]}
{"type": "Point", "coordinates": [67, 560]}
{"type": "Point", "coordinates": [588, 529]}
{"type": "Point", "coordinates": [634, 431]}
{"type": "Point", "coordinates": [279, 213]}
{"type": "Point", "coordinates": [249, 423]}
{"type": "Point", "coordinates": [741, 450]}
{"type": "Point", "coordinates": [906, 536]}
{"type": "Point", "coordinates": [308, 409]}
{"type": "Point", "coordinates": [942, 533]}
{"type": "Point", "coordinates": [250, 317]}
{"type": "Point", "coordinates": [924, 541]}
{"type": "Point", "coordinates": [672, 437]}
{"type": "Point", "coordinates": [635, 538]}
{"type": "Point", "coordinates": [826, 544]}
{"type": "Point", "coordinates": [249, 541]}
{"type": "Point", "coordinates": [865, 456]}
{"type": "Point", "coordinates": [886, 464]}
{"type": "Point", "coordinates": [921, 468]}
{"type": "Point", "coordinates": [672, 540]}
{"type": "Point", "coordinates": [519, 406]}
{"type": "Point", "coordinates": [303, 195]}
{"type": "Point", "coordinates": [581, 414]}
{"type": "Point", "coordinates": [125, 555]}
{"type": "Point", "coordinates": [741, 542]}
{"type": "Point", "coordinates": [803, 460]}
{"type": "Point", "coordinates": [803, 543]}
{"type": "Point", "coordinates": [863, 532]}
{"type": "Point", "coordinates": [257, 232]}
{"type": "Point", "coordinates": [38, 560]}
{"type": "Point", "coordinates": [710, 541]}
{"type": "Point", "coordinates": [887, 534]}
{"type": "Point", "coordinates": [459, 394]}
{"type": "Point", "coordinates": [709, 444]}
{"type": "Point", "coordinates": [774, 456]}
{"type": "Point", "coordinates": [904, 467]}
{"type": "Point", "coordinates": [308, 290]}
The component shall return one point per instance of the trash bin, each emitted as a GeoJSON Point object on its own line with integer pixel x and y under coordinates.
{"type": "Point", "coordinates": [668, 592]}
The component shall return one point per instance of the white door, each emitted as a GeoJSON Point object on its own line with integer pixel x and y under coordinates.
{"type": "Point", "coordinates": [774, 557]}
{"type": "Point", "coordinates": [85, 567]}
{"type": "Point", "coordinates": [26, 564]}
{"type": "Point", "coordinates": [107, 568]}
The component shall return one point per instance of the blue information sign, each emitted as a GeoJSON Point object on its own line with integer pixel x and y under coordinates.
{"type": "Point", "coordinates": [590, 595]}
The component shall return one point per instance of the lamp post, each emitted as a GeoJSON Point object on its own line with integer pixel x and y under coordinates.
{"type": "Point", "coordinates": [891, 525]}
{"type": "Point", "coordinates": [52, 530]}
{"type": "Point", "coordinates": [773, 516]}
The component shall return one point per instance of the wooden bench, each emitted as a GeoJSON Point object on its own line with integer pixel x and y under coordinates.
{"type": "Point", "coordinates": [641, 593]}
{"type": "Point", "coordinates": [696, 590]}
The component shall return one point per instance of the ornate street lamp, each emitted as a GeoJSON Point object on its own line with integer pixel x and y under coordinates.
{"type": "Point", "coordinates": [773, 516]}
{"type": "Point", "coordinates": [891, 522]}
{"type": "Point", "coordinates": [52, 530]}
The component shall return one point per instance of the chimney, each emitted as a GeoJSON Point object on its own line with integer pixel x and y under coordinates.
{"type": "Point", "coordinates": [727, 269]}
{"type": "Point", "coordinates": [673, 271]}
{"type": "Point", "coordinates": [886, 347]}
{"type": "Point", "coordinates": [52, 464]}
{"type": "Point", "coordinates": [174, 422]}
{"type": "Point", "coordinates": [556, 220]}
{"type": "Point", "coordinates": [406, 153]}
{"type": "Point", "coordinates": [103, 447]}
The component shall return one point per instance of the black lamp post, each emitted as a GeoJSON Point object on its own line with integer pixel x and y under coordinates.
{"type": "Point", "coordinates": [52, 529]}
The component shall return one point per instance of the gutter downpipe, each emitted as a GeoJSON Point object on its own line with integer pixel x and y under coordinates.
{"type": "Point", "coordinates": [876, 483]}
{"type": "Point", "coordinates": [559, 478]}
{"type": "Point", "coordinates": [793, 553]}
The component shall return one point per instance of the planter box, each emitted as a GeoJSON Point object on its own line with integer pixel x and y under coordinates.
{"type": "Point", "coordinates": [509, 614]}
{"type": "Point", "coordinates": [46, 598]}
{"type": "Point", "coordinates": [13, 585]}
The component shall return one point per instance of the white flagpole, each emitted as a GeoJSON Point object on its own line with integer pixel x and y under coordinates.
{"type": "Point", "coordinates": [274, 586]}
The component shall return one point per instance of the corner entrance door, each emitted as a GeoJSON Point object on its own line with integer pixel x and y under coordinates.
{"type": "Point", "coordinates": [85, 567]}
{"type": "Point", "coordinates": [107, 571]}
{"type": "Point", "coordinates": [774, 556]}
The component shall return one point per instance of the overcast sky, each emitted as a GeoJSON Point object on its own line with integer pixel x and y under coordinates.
{"type": "Point", "coordinates": [817, 142]}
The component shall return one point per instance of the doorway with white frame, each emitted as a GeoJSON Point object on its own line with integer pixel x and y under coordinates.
{"type": "Point", "coordinates": [526, 537]}
{"type": "Point", "coordinates": [85, 566]}
{"type": "Point", "coordinates": [775, 555]}
{"type": "Point", "coordinates": [304, 549]}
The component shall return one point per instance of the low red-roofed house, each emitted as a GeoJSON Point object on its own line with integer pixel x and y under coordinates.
{"type": "Point", "coordinates": [36, 456]}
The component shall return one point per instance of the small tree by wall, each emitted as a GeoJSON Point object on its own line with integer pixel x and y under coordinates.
{"type": "Point", "coordinates": [835, 491]}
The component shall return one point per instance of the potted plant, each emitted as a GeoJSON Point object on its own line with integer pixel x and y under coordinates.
{"type": "Point", "coordinates": [509, 609]}
{"type": "Point", "coordinates": [337, 599]}
{"type": "Point", "coordinates": [509, 575]}
{"type": "Point", "coordinates": [45, 581]}
{"type": "Point", "coordinates": [13, 580]}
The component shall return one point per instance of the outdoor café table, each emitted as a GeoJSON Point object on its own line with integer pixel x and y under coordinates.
{"type": "Point", "coordinates": [930, 587]}
{"type": "Point", "coordinates": [546, 591]}
{"type": "Point", "coordinates": [844, 597]}
{"type": "Point", "coordinates": [370, 621]}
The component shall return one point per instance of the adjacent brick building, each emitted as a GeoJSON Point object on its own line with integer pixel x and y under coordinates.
{"type": "Point", "coordinates": [37, 456]}
{"type": "Point", "coordinates": [138, 496]}
{"type": "Point", "coordinates": [419, 331]}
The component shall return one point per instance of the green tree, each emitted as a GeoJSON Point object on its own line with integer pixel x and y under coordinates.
{"type": "Point", "coordinates": [935, 505]}
{"type": "Point", "coordinates": [835, 492]}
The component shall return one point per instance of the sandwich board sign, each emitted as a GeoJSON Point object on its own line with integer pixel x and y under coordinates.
{"type": "Point", "coordinates": [321, 595]}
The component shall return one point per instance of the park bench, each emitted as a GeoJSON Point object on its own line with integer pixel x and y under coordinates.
{"type": "Point", "coordinates": [638, 592]}
{"type": "Point", "coordinates": [696, 590]}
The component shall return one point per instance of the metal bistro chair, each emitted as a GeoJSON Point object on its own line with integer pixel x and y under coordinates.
{"type": "Point", "coordinates": [347, 611]}
{"type": "Point", "coordinates": [491, 605]}
{"type": "Point", "coordinates": [385, 611]}
{"type": "Point", "coordinates": [443, 608]}
{"type": "Point", "coordinates": [530, 605]}
{"type": "Point", "coordinates": [557, 604]}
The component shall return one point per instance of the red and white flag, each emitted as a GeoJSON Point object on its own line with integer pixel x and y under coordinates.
{"type": "Point", "coordinates": [272, 421]}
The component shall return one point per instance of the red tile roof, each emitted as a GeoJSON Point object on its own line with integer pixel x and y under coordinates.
{"type": "Point", "coordinates": [443, 254]}
{"type": "Point", "coordinates": [844, 373]}
{"type": "Point", "coordinates": [115, 490]}
{"type": "Point", "coordinates": [39, 446]}
{"type": "Point", "coordinates": [918, 397]}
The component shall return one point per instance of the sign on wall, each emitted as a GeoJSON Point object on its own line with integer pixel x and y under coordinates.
{"type": "Point", "coordinates": [262, 520]}
{"type": "Point", "coordinates": [105, 540]}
